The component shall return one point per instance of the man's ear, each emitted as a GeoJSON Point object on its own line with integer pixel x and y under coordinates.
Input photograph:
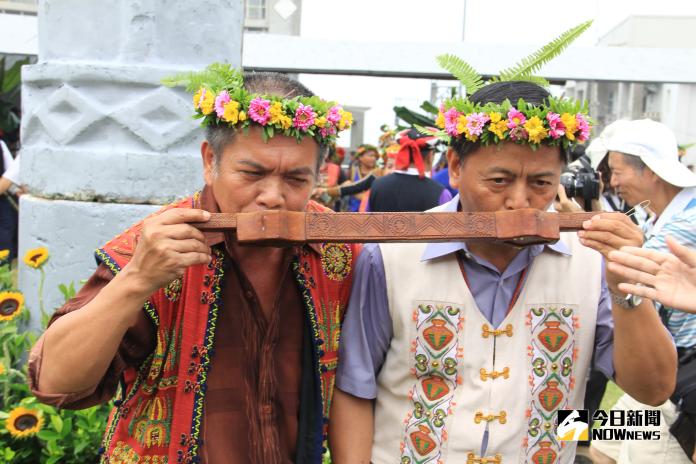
{"type": "Point", "coordinates": [208, 157]}
{"type": "Point", "coordinates": [453, 165]}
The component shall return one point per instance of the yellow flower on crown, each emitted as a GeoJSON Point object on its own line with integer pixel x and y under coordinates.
{"type": "Point", "coordinates": [498, 128]}
{"type": "Point", "coordinates": [207, 102]}
{"type": "Point", "coordinates": [197, 98]}
{"type": "Point", "coordinates": [276, 112]}
{"type": "Point", "coordinates": [571, 125]}
{"type": "Point", "coordinates": [440, 120]}
{"type": "Point", "coordinates": [461, 124]}
{"type": "Point", "coordinates": [2, 368]}
{"type": "Point", "coordinates": [535, 129]}
{"type": "Point", "coordinates": [231, 112]}
{"type": "Point", "coordinates": [320, 121]}
{"type": "Point", "coordinates": [285, 121]}
{"type": "Point", "coordinates": [346, 119]}
{"type": "Point", "coordinates": [242, 115]}
{"type": "Point", "coordinates": [4, 254]}
{"type": "Point", "coordinates": [495, 116]}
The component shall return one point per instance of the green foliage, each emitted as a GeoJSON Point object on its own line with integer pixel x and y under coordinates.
{"type": "Point", "coordinates": [411, 118]}
{"type": "Point", "coordinates": [215, 76]}
{"type": "Point", "coordinates": [66, 437]}
{"type": "Point", "coordinates": [528, 66]}
{"type": "Point", "coordinates": [10, 80]}
{"type": "Point", "coordinates": [430, 108]}
{"type": "Point", "coordinates": [463, 71]}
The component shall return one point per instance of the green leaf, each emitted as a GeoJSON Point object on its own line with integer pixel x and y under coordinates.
{"type": "Point", "coordinates": [216, 76]}
{"type": "Point", "coordinates": [57, 423]}
{"type": "Point", "coordinates": [525, 69]}
{"type": "Point", "coordinates": [463, 71]}
{"type": "Point", "coordinates": [12, 77]}
{"type": "Point", "coordinates": [67, 428]}
{"type": "Point", "coordinates": [411, 117]}
{"type": "Point", "coordinates": [48, 435]}
{"type": "Point", "coordinates": [430, 108]}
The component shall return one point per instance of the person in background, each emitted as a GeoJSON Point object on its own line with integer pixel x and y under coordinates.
{"type": "Point", "coordinates": [644, 163]}
{"type": "Point", "coordinates": [669, 278]}
{"type": "Point", "coordinates": [409, 188]}
{"type": "Point", "coordinates": [364, 163]}
{"type": "Point", "coordinates": [10, 189]}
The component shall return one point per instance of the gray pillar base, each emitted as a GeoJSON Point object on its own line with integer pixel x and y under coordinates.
{"type": "Point", "coordinates": [71, 231]}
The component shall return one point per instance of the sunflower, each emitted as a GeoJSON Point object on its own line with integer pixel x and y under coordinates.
{"type": "Point", "coordinates": [4, 254]}
{"type": "Point", "coordinates": [36, 257]}
{"type": "Point", "coordinates": [11, 304]}
{"type": "Point", "coordinates": [24, 422]}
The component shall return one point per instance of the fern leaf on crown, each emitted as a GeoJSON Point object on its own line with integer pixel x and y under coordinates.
{"type": "Point", "coordinates": [528, 66]}
{"type": "Point", "coordinates": [215, 76]}
{"type": "Point", "coordinates": [463, 71]}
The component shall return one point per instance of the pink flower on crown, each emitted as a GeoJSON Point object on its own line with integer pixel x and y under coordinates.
{"type": "Point", "coordinates": [475, 123]}
{"type": "Point", "coordinates": [334, 115]}
{"type": "Point", "coordinates": [451, 121]}
{"type": "Point", "coordinates": [515, 118]}
{"type": "Point", "coordinates": [327, 131]}
{"type": "Point", "coordinates": [583, 127]}
{"type": "Point", "coordinates": [304, 117]}
{"type": "Point", "coordinates": [518, 133]}
{"type": "Point", "coordinates": [259, 110]}
{"type": "Point", "coordinates": [557, 128]}
{"type": "Point", "coordinates": [220, 101]}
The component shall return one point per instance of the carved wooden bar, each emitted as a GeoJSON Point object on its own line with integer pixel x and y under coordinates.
{"type": "Point", "coordinates": [519, 227]}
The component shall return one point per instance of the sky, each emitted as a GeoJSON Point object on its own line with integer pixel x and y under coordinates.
{"type": "Point", "coordinates": [477, 21]}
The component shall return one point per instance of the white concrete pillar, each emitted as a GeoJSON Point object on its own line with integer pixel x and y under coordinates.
{"type": "Point", "coordinates": [103, 143]}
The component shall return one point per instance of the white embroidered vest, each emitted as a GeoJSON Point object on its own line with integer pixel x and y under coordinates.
{"type": "Point", "coordinates": [449, 375]}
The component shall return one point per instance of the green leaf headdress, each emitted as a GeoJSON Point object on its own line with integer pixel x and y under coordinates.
{"type": "Point", "coordinates": [221, 99]}
{"type": "Point", "coordinates": [556, 122]}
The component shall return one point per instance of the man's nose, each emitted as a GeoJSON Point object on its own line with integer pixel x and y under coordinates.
{"type": "Point", "coordinates": [518, 197]}
{"type": "Point", "coordinates": [270, 194]}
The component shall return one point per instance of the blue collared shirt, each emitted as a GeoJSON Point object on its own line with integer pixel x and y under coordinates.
{"type": "Point", "coordinates": [367, 329]}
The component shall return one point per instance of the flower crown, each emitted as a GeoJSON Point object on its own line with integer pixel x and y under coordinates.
{"type": "Point", "coordinates": [221, 99]}
{"type": "Point", "coordinates": [557, 121]}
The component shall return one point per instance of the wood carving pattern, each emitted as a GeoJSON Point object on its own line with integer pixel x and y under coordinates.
{"type": "Point", "coordinates": [398, 225]}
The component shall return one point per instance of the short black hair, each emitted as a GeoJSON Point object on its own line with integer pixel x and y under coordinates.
{"type": "Point", "coordinates": [263, 83]}
{"type": "Point", "coordinates": [498, 92]}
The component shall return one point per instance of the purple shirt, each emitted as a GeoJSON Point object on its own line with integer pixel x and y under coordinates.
{"type": "Point", "coordinates": [367, 328]}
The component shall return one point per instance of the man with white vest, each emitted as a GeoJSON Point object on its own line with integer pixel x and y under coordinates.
{"type": "Point", "coordinates": [464, 352]}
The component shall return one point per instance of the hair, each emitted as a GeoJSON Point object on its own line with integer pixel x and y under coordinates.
{"type": "Point", "coordinates": [634, 161]}
{"type": "Point", "coordinates": [263, 83]}
{"type": "Point", "coordinates": [498, 92]}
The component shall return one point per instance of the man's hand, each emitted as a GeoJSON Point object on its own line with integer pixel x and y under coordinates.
{"type": "Point", "coordinates": [564, 204]}
{"type": "Point", "coordinates": [667, 278]}
{"type": "Point", "coordinates": [609, 232]}
{"type": "Point", "coordinates": [168, 245]}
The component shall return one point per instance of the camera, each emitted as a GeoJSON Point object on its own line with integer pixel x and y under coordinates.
{"type": "Point", "coordinates": [580, 180]}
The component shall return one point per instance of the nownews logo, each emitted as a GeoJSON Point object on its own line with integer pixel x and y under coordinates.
{"type": "Point", "coordinates": [574, 425]}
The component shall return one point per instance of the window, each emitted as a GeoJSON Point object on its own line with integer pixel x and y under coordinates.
{"type": "Point", "coordinates": [255, 9]}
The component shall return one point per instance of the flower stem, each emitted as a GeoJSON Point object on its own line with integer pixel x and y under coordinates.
{"type": "Point", "coordinates": [41, 284]}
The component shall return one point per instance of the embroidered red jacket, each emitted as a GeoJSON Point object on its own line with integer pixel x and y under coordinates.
{"type": "Point", "coordinates": [158, 418]}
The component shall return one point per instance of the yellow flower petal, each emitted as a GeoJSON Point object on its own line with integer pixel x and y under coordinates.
{"type": "Point", "coordinates": [11, 304]}
{"type": "Point", "coordinates": [36, 257]}
{"type": "Point", "coordinates": [4, 254]}
{"type": "Point", "coordinates": [23, 422]}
